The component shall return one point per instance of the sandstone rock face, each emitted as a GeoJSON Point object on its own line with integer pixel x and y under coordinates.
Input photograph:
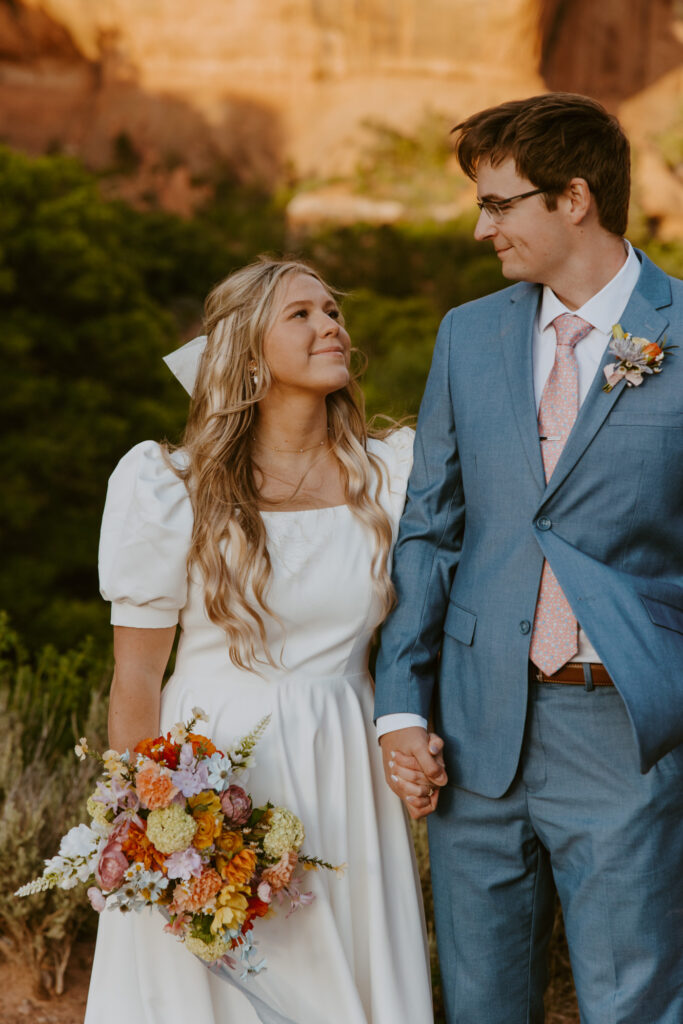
{"type": "Point", "coordinates": [171, 90]}
{"type": "Point", "coordinates": [261, 82]}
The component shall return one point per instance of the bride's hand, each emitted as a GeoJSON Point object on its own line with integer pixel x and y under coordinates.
{"type": "Point", "coordinates": [415, 773]}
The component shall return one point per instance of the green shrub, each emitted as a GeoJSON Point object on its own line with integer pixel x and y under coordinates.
{"type": "Point", "coordinates": [46, 703]}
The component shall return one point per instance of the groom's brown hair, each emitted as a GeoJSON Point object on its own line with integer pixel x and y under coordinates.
{"type": "Point", "coordinates": [552, 139]}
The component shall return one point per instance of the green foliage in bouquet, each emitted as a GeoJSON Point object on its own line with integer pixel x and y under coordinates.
{"type": "Point", "coordinates": [45, 702]}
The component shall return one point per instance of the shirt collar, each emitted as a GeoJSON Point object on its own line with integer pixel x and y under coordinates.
{"type": "Point", "coordinates": [603, 309]}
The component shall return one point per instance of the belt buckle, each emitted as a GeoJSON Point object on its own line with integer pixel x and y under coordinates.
{"type": "Point", "coordinates": [536, 673]}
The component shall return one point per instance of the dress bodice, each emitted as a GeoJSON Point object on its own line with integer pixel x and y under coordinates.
{"type": "Point", "coordinates": [321, 592]}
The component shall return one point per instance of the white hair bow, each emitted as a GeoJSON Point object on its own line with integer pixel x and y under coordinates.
{"type": "Point", "coordinates": [183, 362]}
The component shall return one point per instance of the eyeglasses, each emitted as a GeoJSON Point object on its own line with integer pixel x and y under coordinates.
{"type": "Point", "coordinates": [497, 208]}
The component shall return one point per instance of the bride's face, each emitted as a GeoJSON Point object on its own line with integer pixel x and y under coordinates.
{"type": "Point", "coordinates": [306, 347]}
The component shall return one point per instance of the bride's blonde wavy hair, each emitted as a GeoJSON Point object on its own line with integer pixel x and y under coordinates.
{"type": "Point", "coordinates": [218, 469]}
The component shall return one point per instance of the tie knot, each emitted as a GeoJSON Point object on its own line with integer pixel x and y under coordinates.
{"type": "Point", "coordinates": [570, 329]}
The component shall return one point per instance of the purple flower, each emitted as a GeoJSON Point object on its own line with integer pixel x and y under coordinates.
{"type": "Point", "coordinates": [116, 795]}
{"type": "Point", "coordinates": [236, 805]}
{"type": "Point", "coordinates": [298, 898]}
{"type": "Point", "coordinates": [184, 864]}
{"type": "Point", "coordinates": [190, 778]}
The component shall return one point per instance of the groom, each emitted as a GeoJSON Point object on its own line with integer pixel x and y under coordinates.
{"type": "Point", "coordinates": [539, 573]}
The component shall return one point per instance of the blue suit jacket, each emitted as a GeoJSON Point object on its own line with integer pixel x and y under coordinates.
{"type": "Point", "coordinates": [480, 519]}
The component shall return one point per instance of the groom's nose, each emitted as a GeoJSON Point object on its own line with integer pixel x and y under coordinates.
{"type": "Point", "coordinates": [485, 227]}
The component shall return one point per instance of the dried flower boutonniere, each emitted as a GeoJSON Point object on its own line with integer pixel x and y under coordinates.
{"type": "Point", "coordinates": [637, 357]}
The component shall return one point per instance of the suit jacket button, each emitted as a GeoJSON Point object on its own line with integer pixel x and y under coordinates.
{"type": "Point", "coordinates": [524, 626]}
{"type": "Point", "coordinates": [543, 523]}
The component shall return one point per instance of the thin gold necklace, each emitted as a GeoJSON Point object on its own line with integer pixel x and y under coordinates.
{"type": "Point", "coordinates": [290, 451]}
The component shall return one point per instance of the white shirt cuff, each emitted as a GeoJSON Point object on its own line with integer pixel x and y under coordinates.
{"type": "Point", "coordinates": [403, 720]}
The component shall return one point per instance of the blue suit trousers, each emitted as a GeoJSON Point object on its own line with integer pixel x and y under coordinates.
{"type": "Point", "coordinates": [579, 817]}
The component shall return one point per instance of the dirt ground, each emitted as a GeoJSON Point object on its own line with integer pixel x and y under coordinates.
{"type": "Point", "coordinates": [21, 1004]}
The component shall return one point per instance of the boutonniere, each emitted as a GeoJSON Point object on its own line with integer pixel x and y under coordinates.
{"type": "Point", "coordinates": [637, 357]}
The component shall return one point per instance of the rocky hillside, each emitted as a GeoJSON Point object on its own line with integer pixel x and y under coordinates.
{"type": "Point", "coordinates": [163, 92]}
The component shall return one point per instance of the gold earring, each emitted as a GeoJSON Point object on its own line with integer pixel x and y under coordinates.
{"type": "Point", "coordinates": [252, 367]}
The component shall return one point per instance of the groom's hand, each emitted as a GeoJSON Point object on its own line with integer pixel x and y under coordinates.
{"type": "Point", "coordinates": [414, 768]}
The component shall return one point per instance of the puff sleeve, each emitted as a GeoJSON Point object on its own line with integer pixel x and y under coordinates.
{"type": "Point", "coordinates": [396, 451]}
{"type": "Point", "coordinates": [144, 542]}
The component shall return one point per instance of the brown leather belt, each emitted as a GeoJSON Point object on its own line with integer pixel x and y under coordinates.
{"type": "Point", "coordinates": [572, 673]}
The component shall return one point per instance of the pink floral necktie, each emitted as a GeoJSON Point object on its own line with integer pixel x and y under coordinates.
{"type": "Point", "coordinates": [554, 639]}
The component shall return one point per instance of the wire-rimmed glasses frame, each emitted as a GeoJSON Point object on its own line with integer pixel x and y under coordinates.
{"type": "Point", "coordinates": [497, 208]}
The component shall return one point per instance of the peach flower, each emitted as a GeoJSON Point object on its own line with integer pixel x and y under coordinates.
{"type": "Point", "coordinates": [196, 893]}
{"type": "Point", "coordinates": [281, 873]}
{"type": "Point", "coordinates": [154, 786]}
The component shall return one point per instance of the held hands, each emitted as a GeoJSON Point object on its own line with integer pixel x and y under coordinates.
{"type": "Point", "coordinates": [414, 768]}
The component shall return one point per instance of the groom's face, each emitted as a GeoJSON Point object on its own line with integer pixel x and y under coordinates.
{"type": "Point", "coordinates": [531, 241]}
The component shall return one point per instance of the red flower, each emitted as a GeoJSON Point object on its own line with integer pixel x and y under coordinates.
{"type": "Point", "coordinates": [257, 908]}
{"type": "Point", "coordinates": [161, 750]}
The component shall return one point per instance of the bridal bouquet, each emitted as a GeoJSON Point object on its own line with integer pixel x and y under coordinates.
{"type": "Point", "coordinates": [172, 827]}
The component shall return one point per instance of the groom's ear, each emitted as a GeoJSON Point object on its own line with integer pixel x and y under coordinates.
{"type": "Point", "coordinates": [578, 200]}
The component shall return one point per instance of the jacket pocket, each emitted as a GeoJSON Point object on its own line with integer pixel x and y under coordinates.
{"type": "Point", "coordinates": [459, 623]}
{"type": "Point", "coordinates": [666, 615]}
{"type": "Point", "coordinates": [620, 418]}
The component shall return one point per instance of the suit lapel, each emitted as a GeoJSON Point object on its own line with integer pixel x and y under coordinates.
{"type": "Point", "coordinates": [641, 318]}
{"type": "Point", "coordinates": [516, 333]}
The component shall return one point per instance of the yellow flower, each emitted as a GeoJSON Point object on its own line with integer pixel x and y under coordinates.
{"type": "Point", "coordinates": [232, 908]}
{"type": "Point", "coordinates": [207, 801]}
{"type": "Point", "coordinates": [97, 810]}
{"type": "Point", "coordinates": [170, 829]}
{"type": "Point", "coordinates": [230, 843]}
{"type": "Point", "coordinates": [208, 827]}
{"type": "Point", "coordinates": [286, 832]}
{"type": "Point", "coordinates": [111, 759]}
{"type": "Point", "coordinates": [208, 951]}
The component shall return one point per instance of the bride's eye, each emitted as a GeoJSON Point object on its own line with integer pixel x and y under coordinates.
{"type": "Point", "coordinates": [334, 313]}
{"type": "Point", "coordinates": [300, 312]}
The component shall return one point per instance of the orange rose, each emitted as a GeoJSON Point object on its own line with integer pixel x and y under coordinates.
{"type": "Point", "coordinates": [239, 870]}
{"type": "Point", "coordinates": [208, 827]}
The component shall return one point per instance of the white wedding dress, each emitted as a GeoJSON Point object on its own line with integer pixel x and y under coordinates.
{"type": "Point", "coordinates": [358, 953]}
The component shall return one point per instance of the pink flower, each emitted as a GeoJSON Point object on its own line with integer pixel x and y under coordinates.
{"type": "Point", "coordinates": [236, 805]}
{"type": "Point", "coordinates": [111, 865]}
{"type": "Point", "coordinates": [184, 864]}
{"type": "Point", "coordinates": [97, 900]}
{"type": "Point", "coordinates": [264, 892]}
{"type": "Point", "coordinates": [178, 925]}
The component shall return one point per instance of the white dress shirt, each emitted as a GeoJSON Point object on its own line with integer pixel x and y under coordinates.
{"type": "Point", "coordinates": [602, 310]}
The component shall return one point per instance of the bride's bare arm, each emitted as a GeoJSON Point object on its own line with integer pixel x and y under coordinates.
{"type": "Point", "coordinates": [140, 657]}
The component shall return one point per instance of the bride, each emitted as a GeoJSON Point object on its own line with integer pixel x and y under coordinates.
{"type": "Point", "coordinates": [267, 536]}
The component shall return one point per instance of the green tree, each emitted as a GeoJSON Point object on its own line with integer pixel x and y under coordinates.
{"type": "Point", "coordinates": [81, 345]}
